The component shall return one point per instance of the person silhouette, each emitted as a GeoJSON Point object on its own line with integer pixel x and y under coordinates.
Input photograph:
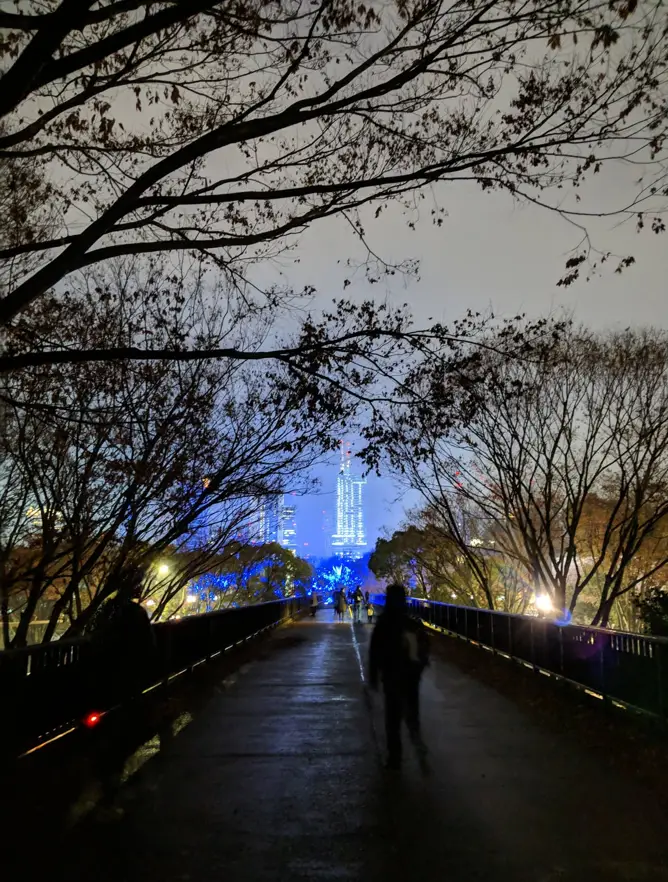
{"type": "Point", "coordinates": [398, 655]}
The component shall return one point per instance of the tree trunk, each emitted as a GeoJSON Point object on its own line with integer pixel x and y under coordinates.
{"type": "Point", "coordinates": [21, 636]}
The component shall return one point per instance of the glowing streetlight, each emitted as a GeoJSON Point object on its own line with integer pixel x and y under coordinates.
{"type": "Point", "coordinates": [543, 603]}
{"type": "Point", "coordinates": [191, 598]}
{"type": "Point", "coordinates": [163, 569]}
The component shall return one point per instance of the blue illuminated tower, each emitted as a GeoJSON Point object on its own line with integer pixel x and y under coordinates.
{"type": "Point", "coordinates": [287, 527]}
{"type": "Point", "coordinates": [349, 541]}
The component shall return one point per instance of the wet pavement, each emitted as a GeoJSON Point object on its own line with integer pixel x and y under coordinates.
{"type": "Point", "coordinates": [281, 778]}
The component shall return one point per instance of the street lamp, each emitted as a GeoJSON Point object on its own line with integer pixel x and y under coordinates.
{"type": "Point", "coordinates": [163, 569]}
{"type": "Point", "coordinates": [543, 604]}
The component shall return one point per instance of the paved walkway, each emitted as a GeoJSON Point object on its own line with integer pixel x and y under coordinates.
{"type": "Point", "coordinates": [281, 778]}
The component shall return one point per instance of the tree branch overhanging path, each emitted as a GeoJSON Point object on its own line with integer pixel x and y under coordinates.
{"type": "Point", "coordinates": [357, 343]}
{"type": "Point", "coordinates": [223, 130]}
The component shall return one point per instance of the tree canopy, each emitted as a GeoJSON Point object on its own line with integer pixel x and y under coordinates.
{"type": "Point", "coordinates": [225, 129]}
{"type": "Point", "coordinates": [562, 470]}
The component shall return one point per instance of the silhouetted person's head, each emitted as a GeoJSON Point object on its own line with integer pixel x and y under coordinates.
{"type": "Point", "coordinates": [129, 581]}
{"type": "Point", "coordinates": [395, 598]}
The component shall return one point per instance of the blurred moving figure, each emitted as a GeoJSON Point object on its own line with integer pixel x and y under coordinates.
{"type": "Point", "coordinates": [398, 655]}
{"type": "Point", "coordinates": [314, 604]}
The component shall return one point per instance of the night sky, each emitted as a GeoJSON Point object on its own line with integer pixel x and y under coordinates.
{"type": "Point", "coordinates": [489, 253]}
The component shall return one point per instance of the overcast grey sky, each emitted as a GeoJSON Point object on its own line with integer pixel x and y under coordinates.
{"type": "Point", "coordinates": [488, 253]}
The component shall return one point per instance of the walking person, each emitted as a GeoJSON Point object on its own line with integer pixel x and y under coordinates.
{"type": "Point", "coordinates": [341, 604]}
{"type": "Point", "coordinates": [314, 604]}
{"type": "Point", "coordinates": [122, 636]}
{"type": "Point", "coordinates": [369, 609]}
{"type": "Point", "coordinates": [125, 656]}
{"type": "Point", "coordinates": [398, 655]}
{"type": "Point", "coordinates": [358, 599]}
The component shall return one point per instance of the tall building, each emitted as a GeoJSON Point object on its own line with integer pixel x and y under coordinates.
{"type": "Point", "coordinates": [349, 541]}
{"type": "Point", "coordinates": [287, 528]}
{"type": "Point", "coordinates": [264, 525]}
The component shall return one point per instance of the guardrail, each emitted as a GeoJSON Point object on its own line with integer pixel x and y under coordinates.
{"type": "Point", "coordinates": [630, 669]}
{"type": "Point", "coordinates": [47, 689]}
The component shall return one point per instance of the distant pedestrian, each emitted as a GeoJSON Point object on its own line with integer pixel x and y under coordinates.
{"type": "Point", "coordinates": [369, 610]}
{"type": "Point", "coordinates": [358, 599]}
{"type": "Point", "coordinates": [341, 604]}
{"type": "Point", "coordinates": [314, 604]}
{"type": "Point", "coordinates": [398, 655]}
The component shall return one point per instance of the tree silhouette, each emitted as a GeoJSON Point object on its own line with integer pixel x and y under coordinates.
{"type": "Point", "coordinates": [223, 130]}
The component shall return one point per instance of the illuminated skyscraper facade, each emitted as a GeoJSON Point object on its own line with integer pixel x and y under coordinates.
{"type": "Point", "coordinates": [287, 531]}
{"type": "Point", "coordinates": [264, 525]}
{"type": "Point", "coordinates": [349, 541]}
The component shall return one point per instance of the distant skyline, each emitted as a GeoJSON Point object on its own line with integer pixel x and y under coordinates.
{"type": "Point", "coordinates": [350, 536]}
{"type": "Point", "coordinates": [384, 511]}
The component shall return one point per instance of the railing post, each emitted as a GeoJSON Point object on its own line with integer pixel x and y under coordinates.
{"type": "Point", "coordinates": [601, 653]}
{"type": "Point", "coordinates": [659, 680]}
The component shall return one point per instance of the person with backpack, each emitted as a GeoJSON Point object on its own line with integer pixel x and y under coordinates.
{"type": "Point", "coordinates": [398, 655]}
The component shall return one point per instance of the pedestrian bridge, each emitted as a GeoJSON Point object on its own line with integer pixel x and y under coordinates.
{"type": "Point", "coordinates": [279, 776]}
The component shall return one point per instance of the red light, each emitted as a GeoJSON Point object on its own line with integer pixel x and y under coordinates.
{"type": "Point", "coordinates": [92, 719]}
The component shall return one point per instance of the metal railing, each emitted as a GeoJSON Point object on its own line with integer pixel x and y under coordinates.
{"type": "Point", "coordinates": [46, 689]}
{"type": "Point", "coordinates": [627, 668]}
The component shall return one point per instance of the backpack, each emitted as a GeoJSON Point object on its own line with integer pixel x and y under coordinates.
{"type": "Point", "coordinates": [414, 646]}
